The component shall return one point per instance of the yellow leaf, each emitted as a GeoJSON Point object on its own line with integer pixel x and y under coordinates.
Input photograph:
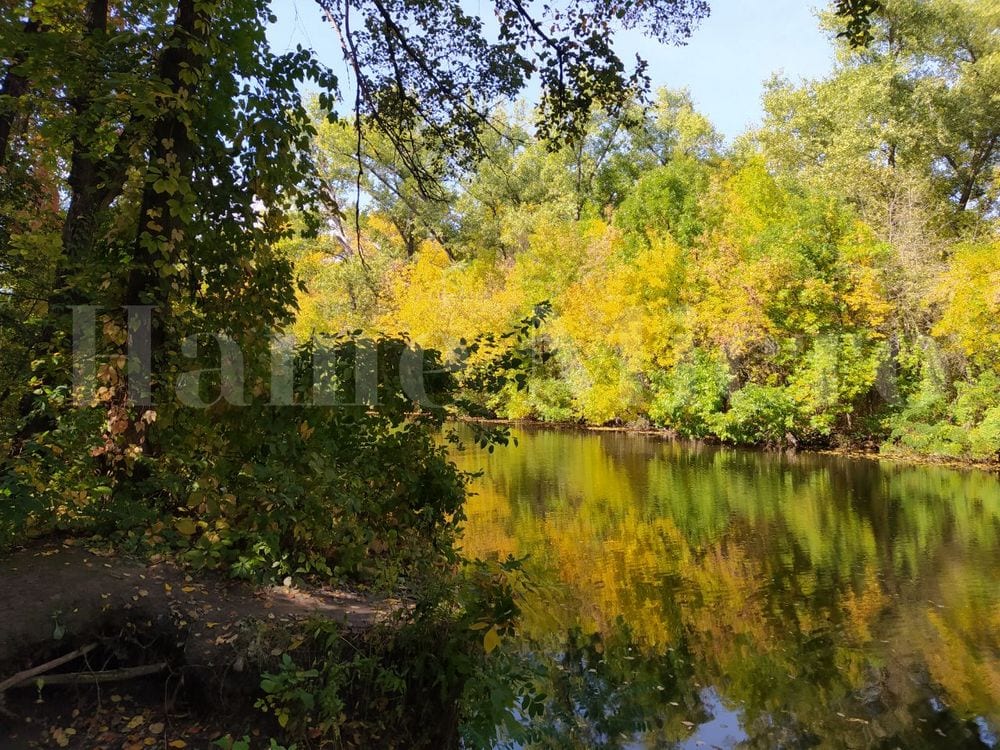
{"type": "Point", "coordinates": [185, 526]}
{"type": "Point", "coordinates": [491, 640]}
{"type": "Point", "coordinates": [177, 743]}
{"type": "Point", "coordinates": [136, 722]}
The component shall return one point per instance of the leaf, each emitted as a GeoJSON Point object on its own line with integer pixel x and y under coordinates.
{"type": "Point", "coordinates": [185, 526]}
{"type": "Point", "coordinates": [491, 640]}
{"type": "Point", "coordinates": [136, 722]}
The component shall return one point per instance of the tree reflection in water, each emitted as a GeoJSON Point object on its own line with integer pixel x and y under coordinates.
{"type": "Point", "coordinates": [692, 594]}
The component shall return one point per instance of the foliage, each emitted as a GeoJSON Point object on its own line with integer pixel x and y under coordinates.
{"type": "Point", "coordinates": [758, 414]}
{"type": "Point", "coordinates": [159, 156]}
{"type": "Point", "coordinates": [970, 315]}
{"type": "Point", "coordinates": [782, 291]}
{"type": "Point", "coordinates": [959, 425]}
{"type": "Point", "coordinates": [230, 743]}
{"type": "Point", "coordinates": [665, 200]}
{"type": "Point", "coordinates": [916, 101]}
{"type": "Point", "coordinates": [268, 491]}
{"type": "Point", "coordinates": [430, 73]}
{"type": "Point", "coordinates": [688, 397]}
{"type": "Point", "coordinates": [416, 681]}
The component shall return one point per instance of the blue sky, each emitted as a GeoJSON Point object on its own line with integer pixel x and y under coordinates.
{"type": "Point", "coordinates": [724, 65]}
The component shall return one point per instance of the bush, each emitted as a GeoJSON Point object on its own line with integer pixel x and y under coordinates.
{"type": "Point", "coordinates": [758, 415]}
{"type": "Point", "coordinates": [965, 426]}
{"type": "Point", "coordinates": [836, 372]}
{"type": "Point", "coordinates": [547, 398]}
{"type": "Point", "coordinates": [984, 440]}
{"type": "Point", "coordinates": [262, 491]}
{"type": "Point", "coordinates": [690, 395]}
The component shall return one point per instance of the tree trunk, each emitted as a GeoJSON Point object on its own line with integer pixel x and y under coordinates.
{"type": "Point", "coordinates": [159, 230]}
{"type": "Point", "coordinates": [14, 86]}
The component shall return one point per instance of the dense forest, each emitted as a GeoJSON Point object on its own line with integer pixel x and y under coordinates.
{"type": "Point", "coordinates": [830, 278]}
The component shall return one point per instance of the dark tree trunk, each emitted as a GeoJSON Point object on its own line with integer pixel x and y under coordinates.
{"type": "Point", "coordinates": [159, 230]}
{"type": "Point", "coordinates": [84, 175]}
{"type": "Point", "coordinates": [14, 86]}
{"type": "Point", "coordinates": [979, 161]}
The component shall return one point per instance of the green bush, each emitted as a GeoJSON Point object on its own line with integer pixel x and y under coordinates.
{"type": "Point", "coordinates": [984, 440]}
{"type": "Point", "coordinates": [688, 397]}
{"type": "Point", "coordinates": [834, 374]}
{"type": "Point", "coordinates": [262, 491]}
{"type": "Point", "coordinates": [758, 415]}
{"type": "Point", "coordinates": [964, 426]}
{"type": "Point", "coordinates": [549, 399]}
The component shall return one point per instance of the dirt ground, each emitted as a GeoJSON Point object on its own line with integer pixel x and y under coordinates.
{"type": "Point", "coordinates": [58, 596]}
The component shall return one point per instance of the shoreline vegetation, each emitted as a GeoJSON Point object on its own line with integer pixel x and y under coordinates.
{"type": "Point", "coordinates": [831, 277]}
{"type": "Point", "coordinates": [872, 453]}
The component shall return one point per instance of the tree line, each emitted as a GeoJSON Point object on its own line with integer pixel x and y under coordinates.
{"type": "Point", "coordinates": [831, 277]}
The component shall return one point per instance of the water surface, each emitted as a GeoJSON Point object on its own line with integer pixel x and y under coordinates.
{"type": "Point", "coordinates": [697, 597]}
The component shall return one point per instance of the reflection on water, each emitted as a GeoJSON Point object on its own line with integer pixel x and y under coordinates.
{"type": "Point", "coordinates": [696, 597]}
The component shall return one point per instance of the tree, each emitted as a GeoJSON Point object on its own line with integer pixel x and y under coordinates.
{"type": "Point", "coordinates": [919, 98]}
{"type": "Point", "coordinates": [158, 155]}
{"type": "Point", "coordinates": [431, 67]}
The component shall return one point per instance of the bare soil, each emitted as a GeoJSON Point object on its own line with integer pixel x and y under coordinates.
{"type": "Point", "coordinates": [59, 595]}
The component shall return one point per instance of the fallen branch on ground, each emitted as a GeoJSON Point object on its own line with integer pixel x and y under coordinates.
{"type": "Point", "coordinates": [108, 675]}
{"type": "Point", "coordinates": [27, 674]}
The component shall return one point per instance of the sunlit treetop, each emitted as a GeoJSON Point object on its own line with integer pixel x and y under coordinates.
{"type": "Point", "coordinates": [857, 17]}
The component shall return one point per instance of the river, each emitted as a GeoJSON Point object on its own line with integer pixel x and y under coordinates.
{"type": "Point", "coordinates": [699, 597]}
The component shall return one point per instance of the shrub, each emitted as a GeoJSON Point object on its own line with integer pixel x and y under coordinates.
{"type": "Point", "coordinates": [964, 426]}
{"type": "Point", "coordinates": [547, 398]}
{"type": "Point", "coordinates": [984, 440]}
{"type": "Point", "coordinates": [263, 491]}
{"type": "Point", "coordinates": [834, 374]}
{"type": "Point", "coordinates": [758, 415]}
{"type": "Point", "coordinates": [687, 397]}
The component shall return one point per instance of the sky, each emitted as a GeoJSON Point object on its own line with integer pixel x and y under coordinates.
{"type": "Point", "coordinates": [725, 64]}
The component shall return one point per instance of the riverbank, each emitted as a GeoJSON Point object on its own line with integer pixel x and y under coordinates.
{"type": "Point", "coordinates": [98, 649]}
{"type": "Point", "coordinates": [871, 452]}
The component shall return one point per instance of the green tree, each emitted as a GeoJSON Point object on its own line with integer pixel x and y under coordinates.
{"type": "Point", "coordinates": [918, 99]}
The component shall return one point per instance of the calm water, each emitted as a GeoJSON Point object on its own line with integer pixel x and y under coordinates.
{"type": "Point", "coordinates": [696, 597]}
